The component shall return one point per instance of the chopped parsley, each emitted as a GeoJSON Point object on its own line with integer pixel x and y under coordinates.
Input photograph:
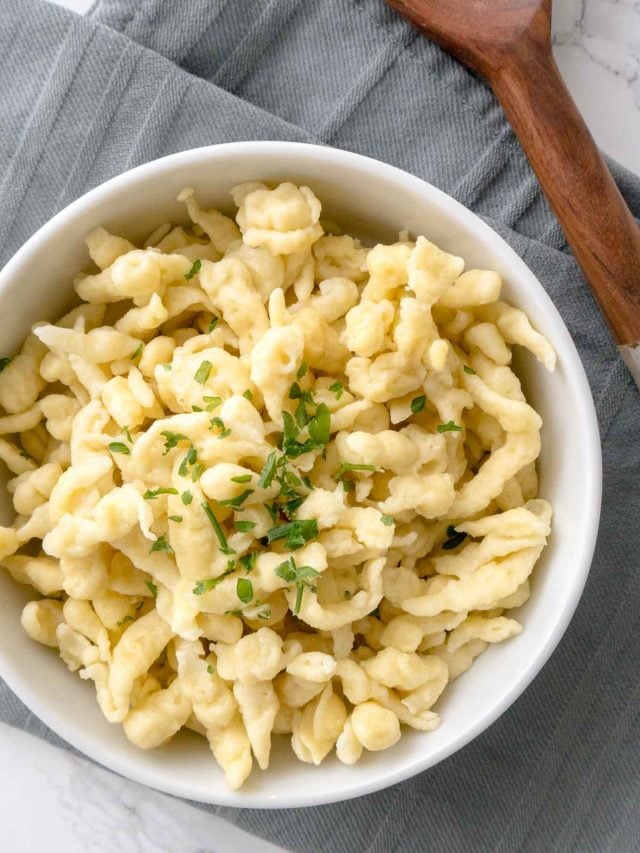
{"type": "Point", "coordinates": [186, 498]}
{"type": "Point", "coordinates": [248, 394]}
{"type": "Point", "coordinates": [244, 590]}
{"type": "Point", "coordinates": [244, 526]}
{"type": "Point", "coordinates": [210, 669]}
{"type": "Point", "coordinates": [388, 520]}
{"type": "Point", "coordinates": [266, 477]}
{"type": "Point", "coordinates": [238, 500]}
{"type": "Point", "coordinates": [195, 269]}
{"type": "Point", "coordinates": [5, 362]}
{"type": "Point", "coordinates": [211, 583]}
{"type": "Point", "coordinates": [176, 518]}
{"type": "Point", "coordinates": [161, 544]}
{"type": "Point", "coordinates": [151, 494]}
{"type": "Point", "coordinates": [242, 478]}
{"type": "Point", "coordinates": [125, 432]}
{"type": "Point", "coordinates": [153, 589]}
{"type": "Point", "coordinates": [417, 404]}
{"type": "Point", "coordinates": [220, 424]}
{"type": "Point", "coordinates": [302, 370]}
{"type": "Point", "coordinates": [119, 447]}
{"type": "Point", "coordinates": [137, 352]}
{"type": "Point", "coordinates": [354, 466]}
{"type": "Point", "coordinates": [222, 539]}
{"type": "Point", "coordinates": [248, 561]}
{"type": "Point", "coordinates": [450, 426]}
{"type": "Point", "coordinates": [213, 324]}
{"type": "Point", "coordinates": [338, 389]}
{"type": "Point", "coordinates": [469, 370]}
{"type": "Point", "coordinates": [172, 439]}
{"type": "Point", "coordinates": [265, 614]}
{"type": "Point", "coordinates": [319, 428]}
{"type": "Point", "coordinates": [190, 465]}
{"type": "Point", "coordinates": [125, 619]}
{"type": "Point", "coordinates": [294, 533]}
{"type": "Point", "coordinates": [166, 366]}
{"type": "Point", "coordinates": [212, 402]}
{"type": "Point", "coordinates": [203, 372]}
{"type": "Point", "coordinates": [298, 575]}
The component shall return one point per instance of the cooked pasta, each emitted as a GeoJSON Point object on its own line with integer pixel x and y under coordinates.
{"type": "Point", "coordinates": [269, 481]}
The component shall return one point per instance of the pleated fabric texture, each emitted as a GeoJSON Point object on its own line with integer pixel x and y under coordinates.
{"type": "Point", "coordinates": [83, 99]}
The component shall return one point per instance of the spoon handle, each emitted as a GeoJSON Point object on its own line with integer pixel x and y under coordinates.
{"type": "Point", "coordinates": [598, 225]}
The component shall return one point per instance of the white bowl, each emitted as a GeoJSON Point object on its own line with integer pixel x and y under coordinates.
{"type": "Point", "coordinates": [375, 200]}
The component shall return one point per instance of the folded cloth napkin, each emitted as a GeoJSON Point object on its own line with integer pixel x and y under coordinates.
{"type": "Point", "coordinates": [82, 99]}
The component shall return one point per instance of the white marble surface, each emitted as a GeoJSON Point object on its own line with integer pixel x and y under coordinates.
{"type": "Point", "coordinates": [58, 802]}
{"type": "Point", "coordinates": [52, 800]}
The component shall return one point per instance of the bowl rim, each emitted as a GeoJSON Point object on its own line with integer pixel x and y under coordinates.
{"type": "Point", "coordinates": [89, 745]}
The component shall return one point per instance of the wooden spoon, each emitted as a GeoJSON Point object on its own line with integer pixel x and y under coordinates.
{"type": "Point", "coordinates": [509, 43]}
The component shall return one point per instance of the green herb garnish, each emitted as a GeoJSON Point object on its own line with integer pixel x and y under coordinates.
{"type": "Point", "coordinates": [354, 466]}
{"type": "Point", "coordinates": [388, 520]}
{"type": "Point", "coordinates": [244, 590]}
{"type": "Point", "coordinates": [469, 370]}
{"type": "Point", "coordinates": [338, 389]}
{"type": "Point", "coordinates": [222, 539]}
{"type": "Point", "coordinates": [248, 394]}
{"type": "Point", "coordinates": [220, 424]}
{"type": "Point", "coordinates": [212, 402]}
{"type": "Point", "coordinates": [266, 477]}
{"type": "Point", "coordinates": [176, 518]}
{"type": "Point", "coordinates": [244, 526]}
{"type": "Point", "coordinates": [166, 366]}
{"type": "Point", "coordinates": [186, 497]}
{"type": "Point", "coordinates": [172, 439]}
{"type": "Point", "coordinates": [153, 589]}
{"type": "Point", "coordinates": [211, 583]}
{"type": "Point", "coordinates": [238, 500]}
{"type": "Point", "coordinates": [417, 404]}
{"type": "Point", "coordinates": [298, 575]}
{"type": "Point", "coordinates": [210, 669]}
{"type": "Point", "coordinates": [302, 370]}
{"type": "Point", "coordinates": [248, 561]}
{"type": "Point", "coordinates": [119, 447]}
{"type": "Point", "coordinates": [125, 619]}
{"type": "Point", "coordinates": [161, 544]}
{"type": "Point", "coordinates": [203, 372]}
{"type": "Point", "coordinates": [243, 478]}
{"type": "Point", "coordinates": [320, 426]}
{"type": "Point", "coordinates": [450, 426]}
{"type": "Point", "coordinates": [294, 533]}
{"type": "Point", "coordinates": [137, 352]}
{"type": "Point", "coordinates": [195, 269]}
{"type": "Point", "coordinates": [190, 465]}
{"type": "Point", "coordinates": [125, 432]}
{"type": "Point", "coordinates": [213, 324]}
{"type": "Point", "coordinates": [151, 494]}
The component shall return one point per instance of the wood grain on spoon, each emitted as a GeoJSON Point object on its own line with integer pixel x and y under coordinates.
{"type": "Point", "coordinates": [509, 43]}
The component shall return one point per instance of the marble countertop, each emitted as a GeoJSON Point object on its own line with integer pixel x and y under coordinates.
{"type": "Point", "coordinates": [59, 802]}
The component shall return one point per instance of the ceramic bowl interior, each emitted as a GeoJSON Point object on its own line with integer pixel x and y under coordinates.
{"type": "Point", "coordinates": [375, 201]}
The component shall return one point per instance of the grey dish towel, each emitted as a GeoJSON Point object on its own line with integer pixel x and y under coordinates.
{"type": "Point", "coordinates": [84, 99]}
